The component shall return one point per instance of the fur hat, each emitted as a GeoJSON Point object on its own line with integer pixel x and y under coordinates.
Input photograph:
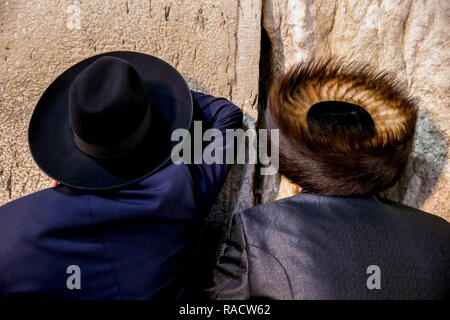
{"type": "Point", "coordinates": [345, 128]}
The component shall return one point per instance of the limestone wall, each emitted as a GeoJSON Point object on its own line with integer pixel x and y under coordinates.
{"type": "Point", "coordinates": [222, 47]}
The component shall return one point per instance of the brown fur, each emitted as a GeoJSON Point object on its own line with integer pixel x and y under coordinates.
{"type": "Point", "coordinates": [336, 163]}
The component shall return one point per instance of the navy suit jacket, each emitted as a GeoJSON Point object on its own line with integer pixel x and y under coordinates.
{"type": "Point", "coordinates": [134, 243]}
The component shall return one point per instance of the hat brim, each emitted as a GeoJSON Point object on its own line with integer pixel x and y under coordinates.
{"type": "Point", "coordinates": [50, 135]}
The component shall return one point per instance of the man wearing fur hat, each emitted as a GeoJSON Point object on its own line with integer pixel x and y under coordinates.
{"type": "Point", "coordinates": [123, 222]}
{"type": "Point", "coordinates": [345, 135]}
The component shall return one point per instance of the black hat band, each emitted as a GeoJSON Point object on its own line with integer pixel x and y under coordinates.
{"type": "Point", "coordinates": [125, 145]}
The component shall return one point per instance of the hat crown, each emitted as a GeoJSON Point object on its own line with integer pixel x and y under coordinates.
{"type": "Point", "coordinates": [107, 102]}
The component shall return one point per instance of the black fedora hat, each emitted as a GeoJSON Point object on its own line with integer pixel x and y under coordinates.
{"type": "Point", "coordinates": [106, 122]}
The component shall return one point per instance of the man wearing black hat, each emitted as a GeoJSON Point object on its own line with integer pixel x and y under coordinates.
{"type": "Point", "coordinates": [123, 221]}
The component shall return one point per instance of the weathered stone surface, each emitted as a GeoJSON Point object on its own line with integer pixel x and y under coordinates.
{"type": "Point", "coordinates": [215, 45]}
{"type": "Point", "coordinates": [409, 38]}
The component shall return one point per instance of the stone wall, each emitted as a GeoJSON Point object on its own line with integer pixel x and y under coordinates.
{"type": "Point", "coordinates": [231, 48]}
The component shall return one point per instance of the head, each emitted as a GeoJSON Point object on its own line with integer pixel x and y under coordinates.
{"type": "Point", "coordinates": [345, 129]}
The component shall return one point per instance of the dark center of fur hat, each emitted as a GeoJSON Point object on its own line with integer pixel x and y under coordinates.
{"type": "Point", "coordinates": [339, 117]}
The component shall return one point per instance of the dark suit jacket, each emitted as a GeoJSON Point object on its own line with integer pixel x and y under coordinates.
{"type": "Point", "coordinates": [135, 243]}
{"type": "Point", "coordinates": [319, 247]}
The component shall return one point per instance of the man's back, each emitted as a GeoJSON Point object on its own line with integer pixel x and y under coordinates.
{"type": "Point", "coordinates": [322, 247]}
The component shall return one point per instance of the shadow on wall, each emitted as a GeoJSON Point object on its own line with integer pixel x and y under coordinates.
{"type": "Point", "coordinates": [272, 51]}
{"type": "Point", "coordinates": [426, 164]}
